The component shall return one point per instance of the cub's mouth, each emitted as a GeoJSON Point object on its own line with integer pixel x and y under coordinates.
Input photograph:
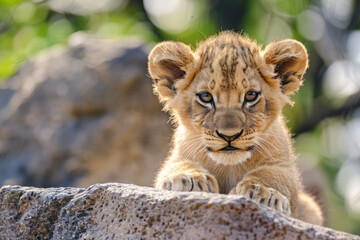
{"type": "Point", "coordinates": [229, 148]}
{"type": "Point", "coordinates": [230, 155]}
{"type": "Point", "coordinates": [232, 148]}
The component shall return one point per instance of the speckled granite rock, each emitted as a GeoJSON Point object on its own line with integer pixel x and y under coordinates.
{"type": "Point", "coordinates": [121, 211]}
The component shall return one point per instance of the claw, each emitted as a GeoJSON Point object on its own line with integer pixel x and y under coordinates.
{"type": "Point", "coordinates": [192, 184]}
{"type": "Point", "coordinates": [264, 196]}
{"type": "Point", "coordinates": [197, 182]}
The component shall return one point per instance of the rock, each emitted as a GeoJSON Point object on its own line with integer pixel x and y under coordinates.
{"type": "Point", "coordinates": [80, 116]}
{"type": "Point", "coordinates": [121, 211]}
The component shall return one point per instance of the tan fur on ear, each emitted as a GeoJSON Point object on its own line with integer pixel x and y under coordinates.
{"type": "Point", "coordinates": [167, 64]}
{"type": "Point", "coordinates": [291, 61]}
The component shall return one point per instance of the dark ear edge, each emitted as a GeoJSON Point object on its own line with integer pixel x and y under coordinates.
{"type": "Point", "coordinates": [167, 63]}
{"type": "Point", "coordinates": [291, 61]}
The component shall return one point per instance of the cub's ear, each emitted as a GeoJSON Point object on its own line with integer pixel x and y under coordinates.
{"type": "Point", "coordinates": [168, 63]}
{"type": "Point", "coordinates": [291, 61]}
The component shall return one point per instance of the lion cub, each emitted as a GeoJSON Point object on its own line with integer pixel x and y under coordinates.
{"type": "Point", "coordinates": [226, 99]}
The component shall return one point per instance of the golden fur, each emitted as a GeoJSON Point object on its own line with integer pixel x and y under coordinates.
{"type": "Point", "coordinates": [226, 100]}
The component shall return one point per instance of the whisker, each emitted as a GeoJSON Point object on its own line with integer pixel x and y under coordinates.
{"type": "Point", "coordinates": [188, 150]}
{"type": "Point", "coordinates": [200, 151]}
{"type": "Point", "coordinates": [273, 135]}
{"type": "Point", "coordinates": [264, 141]}
{"type": "Point", "coordinates": [191, 140]}
{"type": "Point", "coordinates": [196, 149]}
{"type": "Point", "coordinates": [262, 152]}
{"type": "Point", "coordinates": [192, 149]}
{"type": "Point", "coordinates": [188, 142]}
{"type": "Point", "coordinates": [266, 151]}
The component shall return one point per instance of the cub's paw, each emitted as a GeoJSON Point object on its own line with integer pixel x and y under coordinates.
{"type": "Point", "coordinates": [264, 196]}
{"type": "Point", "coordinates": [189, 182]}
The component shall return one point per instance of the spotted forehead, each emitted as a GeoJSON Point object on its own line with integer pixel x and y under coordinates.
{"type": "Point", "coordinates": [228, 66]}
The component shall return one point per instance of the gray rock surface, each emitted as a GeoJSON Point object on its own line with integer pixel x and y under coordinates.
{"type": "Point", "coordinates": [82, 115]}
{"type": "Point", "coordinates": [121, 211]}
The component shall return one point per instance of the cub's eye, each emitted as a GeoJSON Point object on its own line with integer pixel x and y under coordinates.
{"type": "Point", "coordinates": [251, 96]}
{"type": "Point", "coordinates": [205, 97]}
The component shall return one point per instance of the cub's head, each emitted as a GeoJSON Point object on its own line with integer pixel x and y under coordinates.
{"type": "Point", "coordinates": [227, 92]}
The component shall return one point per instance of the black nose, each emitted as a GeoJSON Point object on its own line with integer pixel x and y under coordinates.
{"type": "Point", "coordinates": [229, 138]}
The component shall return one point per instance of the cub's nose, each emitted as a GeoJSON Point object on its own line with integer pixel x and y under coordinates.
{"type": "Point", "coordinates": [229, 138]}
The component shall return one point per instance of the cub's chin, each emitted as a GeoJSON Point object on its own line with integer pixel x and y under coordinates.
{"type": "Point", "coordinates": [231, 157]}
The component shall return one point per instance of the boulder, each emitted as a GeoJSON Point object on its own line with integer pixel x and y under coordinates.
{"type": "Point", "coordinates": [122, 211]}
{"type": "Point", "coordinates": [82, 115]}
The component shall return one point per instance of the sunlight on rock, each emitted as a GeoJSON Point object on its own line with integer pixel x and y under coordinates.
{"type": "Point", "coordinates": [124, 211]}
{"type": "Point", "coordinates": [342, 79]}
{"type": "Point", "coordinates": [173, 16]}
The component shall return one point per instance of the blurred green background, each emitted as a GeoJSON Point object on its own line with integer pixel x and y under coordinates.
{"type": "Point", "coordinates": [325, 119]}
